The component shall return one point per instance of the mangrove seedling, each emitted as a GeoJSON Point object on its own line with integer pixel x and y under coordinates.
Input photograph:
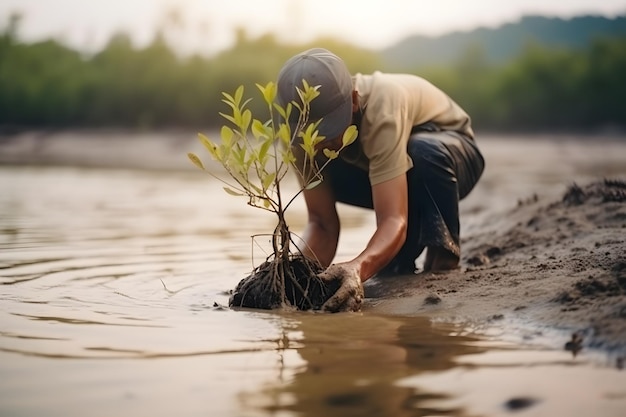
{"type": "Point", "coordinates": [257, 154]}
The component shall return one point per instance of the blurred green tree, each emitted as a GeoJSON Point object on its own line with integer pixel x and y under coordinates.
{"type": "Point", "coordinates": [46, 84]}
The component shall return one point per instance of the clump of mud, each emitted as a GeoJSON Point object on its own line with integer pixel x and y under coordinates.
{"type": "Point", "coordinates": [303, 289]}
{"type": "Point", "coordinates": [605, 191]}
{"type": "Point", "coordinates": [581, 209]}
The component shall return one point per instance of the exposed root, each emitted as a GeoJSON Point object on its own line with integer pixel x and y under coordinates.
{"type": "Point", "coordinates": [278, 283]}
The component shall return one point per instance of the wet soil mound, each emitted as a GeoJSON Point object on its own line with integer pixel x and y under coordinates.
{"type": "Point", "coordinates": [559, 263]}
{"type": "Point", "coordinates": [580, 212]}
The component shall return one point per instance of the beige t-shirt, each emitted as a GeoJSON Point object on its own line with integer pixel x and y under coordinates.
{"type": "Point", "coordinates": [392, 105]}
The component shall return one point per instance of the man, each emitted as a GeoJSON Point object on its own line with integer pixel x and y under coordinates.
{"type": "Point", "coordinates": [414, 159]}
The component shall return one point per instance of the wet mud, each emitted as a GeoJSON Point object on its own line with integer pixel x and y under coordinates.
{"type": "Point", "coordinates": [560, 264]}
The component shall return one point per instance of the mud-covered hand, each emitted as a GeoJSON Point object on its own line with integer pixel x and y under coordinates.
{"type": "Point", "coordinates": [350, 293]}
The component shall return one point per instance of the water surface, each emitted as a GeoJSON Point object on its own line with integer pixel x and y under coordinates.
{"type": "Point", "coordinates": [113, 282]}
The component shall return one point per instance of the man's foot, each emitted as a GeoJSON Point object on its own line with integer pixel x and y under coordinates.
{"type": "Point", "coordinates": [439, 259]}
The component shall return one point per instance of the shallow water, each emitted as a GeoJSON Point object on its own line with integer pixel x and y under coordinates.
{"type": "Point", "coordinates": [113, 282]}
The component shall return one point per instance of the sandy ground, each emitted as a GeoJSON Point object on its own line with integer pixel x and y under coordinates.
{"type": "Point", "coordinates": [560, 267]}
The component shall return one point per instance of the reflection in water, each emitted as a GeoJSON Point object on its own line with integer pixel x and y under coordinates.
{"type": "Point", "coordinates": [368, 365]}
{"type": "Point", "coordinates": [352, 363]}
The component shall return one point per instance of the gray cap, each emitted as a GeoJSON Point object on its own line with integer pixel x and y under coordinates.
{"type": "Point", "coordinates": [321, 67]}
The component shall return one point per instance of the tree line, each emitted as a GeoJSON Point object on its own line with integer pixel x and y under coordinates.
{"type": "Point", "coordinates": [49, 85]}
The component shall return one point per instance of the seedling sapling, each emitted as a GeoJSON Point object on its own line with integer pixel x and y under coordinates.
{"type": "Point", "coordinates": [257, 155]}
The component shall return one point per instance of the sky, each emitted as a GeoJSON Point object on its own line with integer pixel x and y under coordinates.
{"type": "Point", "coordinates": [208, 26]}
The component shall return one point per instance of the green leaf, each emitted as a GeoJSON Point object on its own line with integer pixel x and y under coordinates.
{"type": "Point", "coordinates": [263, 151]}
{"type": "Point", "coordinates": [196, 161]}
{"type": "Point", "coordinates": [349, 135]}
{"type": "Point", "coordinates": [308, 150]}
{"type": "Point", "coordinates": [271, 90]}
{"type": "Point", "coordinates": [237, 116]}
{"type": "Point", "coordinates": [313, 184]}
{"type": "Point", "coordinates": [231, 105]}
{"type": "Point", "coordinates": [261, 89]}
{"type": "Point", "coordinates": [206, 142]}
{"type": "Point", "coordinates": [308, 93]}
{"type": "Point", "coordinates": [238, 95]}
{"type": "Point", "coordinates": [246, 117]}
{"type": "Point", "coordinates": [309, 140]}
{"type": "Point", "coordinates": [240, 156]}
{"type": "Point", "coordinates": [268, 92]}
{"type": "Point", "coordinates": [288, 158]}
{"type": "Point", "coordinates": [280, 110]}
{"type": "Point", "coordinates": [229, 118]}
{"type": "Point", "coordinates": [233, 192]}
{"type": "Point", "coordinates": [288, 111]}
{"type": "Point", "coordinates": [229, 98]}
{"type": "Point", "coordinates": [258, 129]}
{"type": "Point", "coordinates": [218, 154]}
{"type": "Point", "coordinates": [330, 154]}
{"type": "Point", "coordinates": [267, 180]}
{"type": "Point", "coordinates": [227, 135]}
{"type": "Point", "coordinates": [284, 133]}
{"type": "Point", "coordinates": [297, 106]}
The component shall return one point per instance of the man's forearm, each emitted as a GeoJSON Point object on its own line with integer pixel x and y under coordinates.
{"type": "Point", "coordinates": [382, 247]}
{"type": "Point", "coordinates": [320, 243]}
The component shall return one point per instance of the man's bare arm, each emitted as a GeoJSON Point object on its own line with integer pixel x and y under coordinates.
{"type": "Point", "coordinates": [321, 234]}
{"type": "Point", "coordinates": [391, 207]}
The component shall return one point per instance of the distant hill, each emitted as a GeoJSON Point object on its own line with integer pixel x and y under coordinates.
{"type": "Point", "coordinates": [505, 42]}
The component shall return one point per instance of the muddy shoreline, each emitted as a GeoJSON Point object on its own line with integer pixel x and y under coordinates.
{"type": "Point", "coordinates": [558, 269]}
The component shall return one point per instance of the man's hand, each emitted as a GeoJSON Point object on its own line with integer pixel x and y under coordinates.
{"type": "Point", "coordinates": [350, 293]}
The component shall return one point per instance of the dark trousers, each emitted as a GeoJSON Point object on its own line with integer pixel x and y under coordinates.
{"type": "Point", "coordinates": [446, 166]}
